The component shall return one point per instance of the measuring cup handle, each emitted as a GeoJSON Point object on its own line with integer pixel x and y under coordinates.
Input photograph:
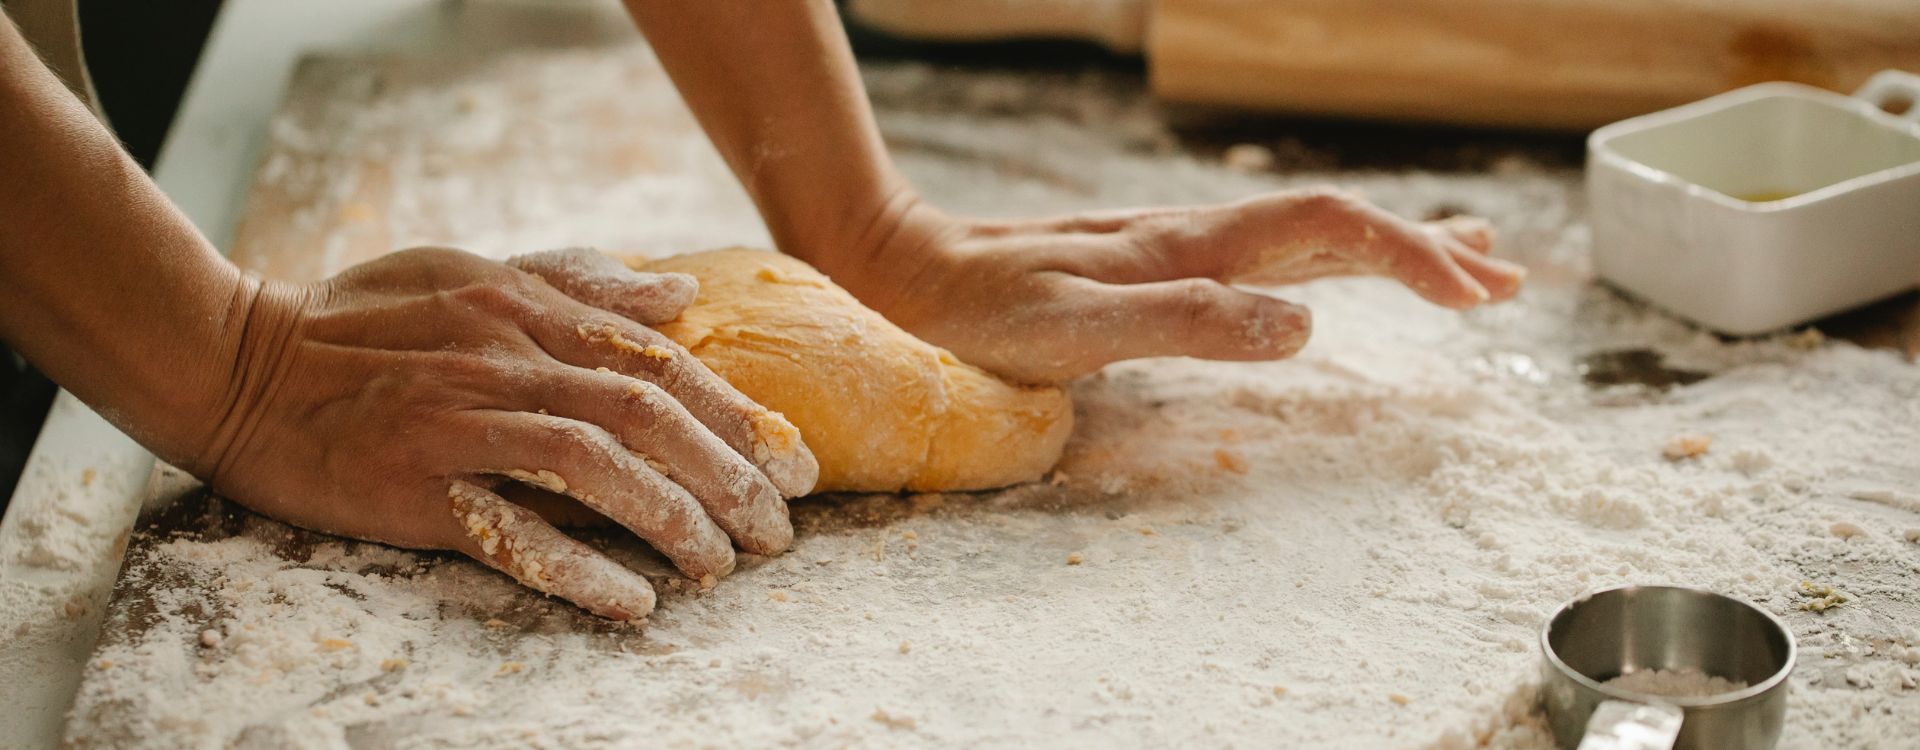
{"type": "Point", "coordinates": [1624, 725]}
{"type": "Point", "coordinates": [1895, 92]}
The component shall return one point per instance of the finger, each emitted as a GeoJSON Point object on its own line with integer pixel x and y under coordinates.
{"type": "Point", "coordinates": [1396, 248]}
{"type": "Point", "coordinates": [1245, 240]}
{"type": "Point", "coordinates": [764, 437]}
{"type": "Point", "coordinates": [1474, 232]}
{"type": "Point", "coordinates": [650, 422]}
{"type": "Point", "coordinates": [1470, 240]}
{"type": "Point", "coordinates": [1501, 279]}
{"type": "Point", "coordinates": [516, 542]}
{"type": "Point", "coordinates": [1301, 268]}
{"type": "Point", "coordinates": [1188, 317]}
{"type": "Point", "coordinates": [590, 465]}
{"type": "Point", "coordinates": [598, 280]}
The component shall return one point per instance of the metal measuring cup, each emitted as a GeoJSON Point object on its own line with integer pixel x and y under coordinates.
{"type": "Point", "coordinates": [1616, 631]}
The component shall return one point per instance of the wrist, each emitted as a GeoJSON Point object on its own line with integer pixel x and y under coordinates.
{"type": "Point", "coordinates": [253, 357]}
{"type": "Point", "coordinates": [826, 224]}
{"type": "Point", "coordinates": [902, 242]}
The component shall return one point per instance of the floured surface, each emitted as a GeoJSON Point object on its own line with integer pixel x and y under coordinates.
{"type": "Point", "coordinates": [1351, 549]}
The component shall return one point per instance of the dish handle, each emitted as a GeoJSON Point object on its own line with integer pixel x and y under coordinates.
{"type": "Point", "coordinates": [1625, 725]}
{"type": "Point", "coordinates": [1895, 92]}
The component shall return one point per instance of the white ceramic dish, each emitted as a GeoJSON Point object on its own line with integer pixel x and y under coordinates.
{"type": "Point", "coordinates": [1762, 207]}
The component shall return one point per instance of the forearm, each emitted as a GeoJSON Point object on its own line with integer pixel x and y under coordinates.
{"type": "Point", "coordinates": [775, 87]}
{"type": "Point", "coordinates": [103, 284]}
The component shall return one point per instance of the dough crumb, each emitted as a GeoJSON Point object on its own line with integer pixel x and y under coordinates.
{"type": "Point", "coordinates": [1279, 691]}
{"type": "Point", "coordinates": [1687, 445]}
{"type": "Point", "coordinates": [1820, 597]}
{"type": "Point", "coordinates": [335, 644]}
{"type": "Point", "coordinates": [393, 665]}
{"type": "Point", "coordinates": [1398, 699]}
{"type": "Point", "coordinates": [905, 647]}
{"type": "Point", "coordinates": [707, 582]}
{"type": "Point", "coordinates": [656, 352]}
{"type": "Point", "coordinates": [87, 476]}
{"type": "Point", "coordinates": [1075, 559]}
{"type": "Point", "coordinates": [892, 721]}
{"type": "Point", "coordinates": [1230, 461]}
{"type": "Point", "coordinates": [1912, 535]}
{"type": "Point", "coordinates": [210, 638]}
{"type": "Point", "coordinates": [512, 667]}
{"type": "Point", "coordinates": [778, 596]}
{"type": "Point", "coordinates": [604, 332]}
{"type": "Point", "coordinates": [495, 624]}
{"type": "Point", "coordinates": [1147, 531]}
{"type": "Point", "coordinates": [1846, 530]}
{"type": "Point", "coordinates": [1248, 157]}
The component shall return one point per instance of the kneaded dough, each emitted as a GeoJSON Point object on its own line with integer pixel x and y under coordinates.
{"type": "Point", "coordinates": [881, 410]}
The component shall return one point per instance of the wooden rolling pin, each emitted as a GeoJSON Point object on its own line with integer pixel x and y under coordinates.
{"type": "Point", "coordinates": [1530, 63]}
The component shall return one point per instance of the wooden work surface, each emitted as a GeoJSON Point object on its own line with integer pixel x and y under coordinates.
{"type": "Point", "coordinates": [350, 175]}
{"type": "Point", "coordinates": [591, 147]}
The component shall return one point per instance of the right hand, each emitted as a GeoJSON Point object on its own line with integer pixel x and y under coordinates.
{"type": "Point", "coordinates": [1049, 300]}
{"type": "Point", "coordinates": [394, 403]}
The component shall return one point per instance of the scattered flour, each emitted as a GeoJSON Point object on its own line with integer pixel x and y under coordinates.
{"type": "Point", "coordinates": [1675, 683]}
{"type": "Point", "coordinates": [1401, 506]}
{"type": "Point", "coordinates": [64, 532]}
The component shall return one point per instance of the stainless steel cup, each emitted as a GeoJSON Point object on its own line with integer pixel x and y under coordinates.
{"type": "Point", "coordinates": [1612, 632]}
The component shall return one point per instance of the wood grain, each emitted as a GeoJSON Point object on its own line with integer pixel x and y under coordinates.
{"type": "Point", "coordinates": [373, 154]}
{"type": "Point", "coordinates": [1535, 63]}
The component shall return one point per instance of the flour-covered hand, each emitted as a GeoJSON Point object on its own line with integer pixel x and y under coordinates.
{"type": "Point", "coordinates": [397, 401]}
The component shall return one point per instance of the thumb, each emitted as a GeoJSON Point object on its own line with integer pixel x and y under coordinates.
{"type": "Point", "coordinates": [1199, 318]}
{"type": "Point", "coordinates": [593, 278]}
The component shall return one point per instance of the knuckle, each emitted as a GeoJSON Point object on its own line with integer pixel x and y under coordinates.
{"type": "Point", "coordinates": [1327, 199]}
{"type": "Point", "coordinates": [1177, 228]}
{"type": "Point", "coordinates": [542, 259]}
{"type": "Point", "coordinates": [647, 398]}
{"type": "Point", "coordinates": [509, 297]}
{"type": "Point", "coordinates": [576, 437]}
{"type": "Point", "coordinates": [436, 253]}
{"type": "Point", "coordinates": [1195, 303]}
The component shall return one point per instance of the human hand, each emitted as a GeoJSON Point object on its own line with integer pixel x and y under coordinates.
{"type": "Point", "coordinates": [390, 403]}
{"type": "Point", "coordinates": [1049, 300]}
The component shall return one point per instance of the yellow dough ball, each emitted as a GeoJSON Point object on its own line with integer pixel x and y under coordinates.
{"type": "Point", "coordinates": [881, 410]}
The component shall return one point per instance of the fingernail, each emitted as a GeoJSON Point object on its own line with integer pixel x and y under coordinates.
{"type": "Point", "coordinates": [1281, 327]}
{"type": "Point", "coordinates": [1480, 293]}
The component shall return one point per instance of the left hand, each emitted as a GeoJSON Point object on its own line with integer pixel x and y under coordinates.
{"type": "Point", "coordinates": [1049, 300]}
